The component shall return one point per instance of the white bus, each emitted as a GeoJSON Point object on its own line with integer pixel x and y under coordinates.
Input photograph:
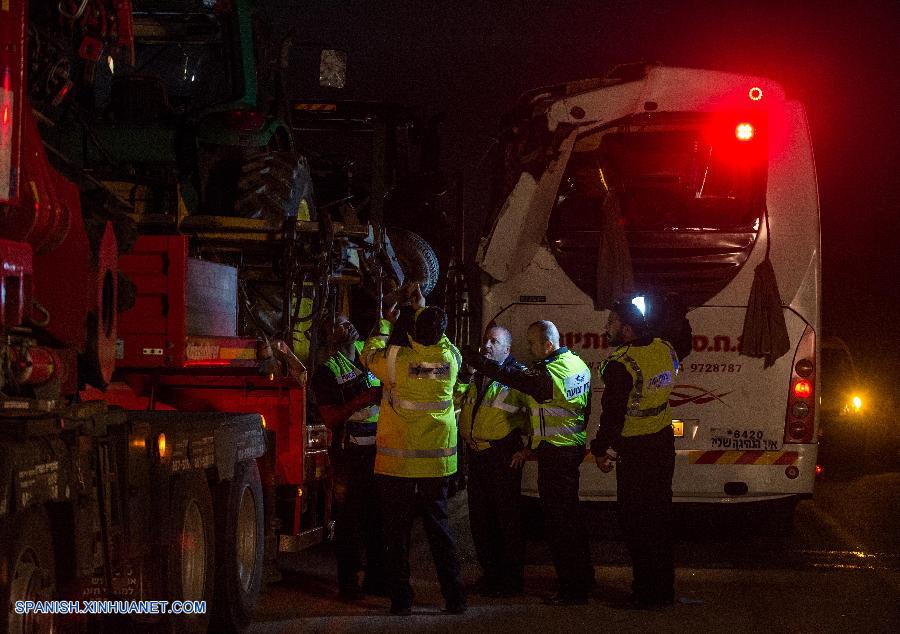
{"type": "Point", "coordinates": [697, 177]}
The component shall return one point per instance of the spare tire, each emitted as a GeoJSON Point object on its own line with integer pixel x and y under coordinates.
{"type": "Point", "coordinates": [416, 257]}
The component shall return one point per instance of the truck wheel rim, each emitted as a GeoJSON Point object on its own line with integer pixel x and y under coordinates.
{"type": "Point", "coordinates": [193, 554]}
{"type": "Point", "coordinates": [246, 538]}
{"type": "Point", "coordinates": [27, 584]}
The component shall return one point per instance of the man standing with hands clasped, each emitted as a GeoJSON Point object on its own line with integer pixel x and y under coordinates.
{"type": "Point", "coordinates": [635, 436]}
{"type": "Point", "coordinates": [492, 420]}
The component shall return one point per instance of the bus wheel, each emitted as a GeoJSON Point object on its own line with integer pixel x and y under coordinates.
{"type": "Point", "coordinates": [190, 550]}
{"type": "Point", "coordinates": [239, 548]}
{"type": "Point", "coordinates": [26, 548]}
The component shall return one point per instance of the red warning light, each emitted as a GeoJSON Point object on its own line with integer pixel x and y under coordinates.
{"type": "Point", "coordinates": [802, 389]}
{"type": "Point", "coordinates": [744, 131]}
{"type": "Point", "coordinates": [755, 93]}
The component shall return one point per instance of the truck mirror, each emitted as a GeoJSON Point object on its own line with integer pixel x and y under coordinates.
{"type": "Point", "coordinates": [333, 68]}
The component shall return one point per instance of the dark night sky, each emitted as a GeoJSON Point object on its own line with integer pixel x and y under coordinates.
{"type": "Point", "coordinates": [471, 60]}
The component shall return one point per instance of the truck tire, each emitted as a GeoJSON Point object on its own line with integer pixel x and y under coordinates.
{"type": "Point", "coordinates": [240, 537]}
{"type": "Point", "coordinates": [275, 186]}
{"type": "Point", "coordinates": [190, 550]}
{"type": "Point", "coordinates": [29, 571]}
{"type": "Point", "coordinates": [417, 259]}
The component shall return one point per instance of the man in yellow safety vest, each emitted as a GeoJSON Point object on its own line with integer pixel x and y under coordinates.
{"type": "Point", "coordinates": [347, 397]}
{"type": "Point", "coordinates": [416, 447]}
{"type": "Point", "coordinates": [492, 419]}
{"type": "Point", "coordinates": [635, 435]}
{"type": "Point", "coordinates": [559, 389]}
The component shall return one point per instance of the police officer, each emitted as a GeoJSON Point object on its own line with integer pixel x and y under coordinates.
{"type": "Point", "coordinates": [635, 435]}
{"type": "Point", "coordinates": [416, 448]}
{"type": "Point", "coordinates": [559, 391]}
{"type": "Point", "coordinates": [347, 396]}
{"type": "Point", "coordinates": [492, 420]}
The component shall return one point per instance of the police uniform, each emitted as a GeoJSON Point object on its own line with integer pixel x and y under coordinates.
{"type": "Point", "coordinates": [416, 452]}
{"type": "Point", "coordinates": [347, 396]}
{"type": "Point", "coordinates": [492, 420]}
{"type": "Point", "coordinates": [636, 423]}
{"type": "Point", "coordinates": [558, 388]}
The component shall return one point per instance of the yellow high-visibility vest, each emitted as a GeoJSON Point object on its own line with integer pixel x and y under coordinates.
{"type": "Point", "coordinates": [417, 432]}
{"type": "Point", "coordinates": [653, 369]}
{"type": "Point", "coordinates": [561, 421]}
{"type": "Point", "coordinates": [502, 411]}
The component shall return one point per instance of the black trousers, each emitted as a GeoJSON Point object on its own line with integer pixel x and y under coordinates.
{"type": "Point", "coordinates": [401, 500]}
{"type": "Point", "coordinates": [495, 515]}
{"type": "Point", "coordinates": [644, 489]}
{"type": "Point", "coordinates": [358, 522]}
{"type": "Point", "coordinates": [558, 477]}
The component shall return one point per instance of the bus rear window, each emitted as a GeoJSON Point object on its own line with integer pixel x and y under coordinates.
{"type": "Point", "coordinates": [693, 178]}
{"type": "Point", "coordinates": [689, 192]}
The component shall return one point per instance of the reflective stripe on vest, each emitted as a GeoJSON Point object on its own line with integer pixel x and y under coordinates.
{"type": "Point", "coordinates": [417, 432]}
{"type": "Point", "coordinates": [436, 406]}
{"type": "Point", "coordinates": [345, 371]}
{"type": "Point", "coordinates": [646, 413]}
{"type": "Point", "coordinates": [362, 440]}
{"type": "Point", "coordinates": [559, 412]}
{"type": "Point", "coordinates": [366, 414]}
{"type": "Point", "coordinates": [648, 405]}
{"type": "Point", "coordinates": [495, 418]}
{"type": "Point", "coordinates": [444, 452]}
{"type": "Point", "coordinates": [392, 366]}
{"type": "Point", "coordinates": [561, 421]}
{"type": "Point", "coordinates": [499, 402]}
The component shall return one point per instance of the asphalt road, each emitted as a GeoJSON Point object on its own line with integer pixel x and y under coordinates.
{"type": "Point", "coordinates": [839, 571]}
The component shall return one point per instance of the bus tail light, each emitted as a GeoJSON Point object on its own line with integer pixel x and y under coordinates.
{"type": "Point", "coordinates": [744, 131]}
{"type": "Point", "coordinates": [799, 418]}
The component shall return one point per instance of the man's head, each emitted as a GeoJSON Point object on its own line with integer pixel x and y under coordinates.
{"type": "Point", "coordinates": [497, 342]}
{"type": "Point", "coordinates": [625, 323]}
{"type": "Point", "coordinates": [543, 339]}
{"type": "Point", "coordinates": [430, 325]}
{"type": "Point", "coordinates": [341, 332]}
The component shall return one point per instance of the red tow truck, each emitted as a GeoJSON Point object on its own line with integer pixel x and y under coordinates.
{"type": "Point", "coordinates": [152, 449]}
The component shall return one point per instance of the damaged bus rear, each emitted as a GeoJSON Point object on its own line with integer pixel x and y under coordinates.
{"type": "Point", "coordinates": [689, 188]}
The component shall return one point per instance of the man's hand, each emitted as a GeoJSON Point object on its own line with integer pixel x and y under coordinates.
{"type": "Point", "coordinates": [605, 463]}
{"type": "Point", "coordinates": [520, 457]}
{"type": "Point", "coordinates": [416, 299]}
{"type": "Point", "coordinates": [391, 313]}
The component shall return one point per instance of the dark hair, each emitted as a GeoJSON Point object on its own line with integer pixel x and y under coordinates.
{"type": "Point", "coordinates": [630, 315]}
{"type": "Point", "coordinates": [430, 325]}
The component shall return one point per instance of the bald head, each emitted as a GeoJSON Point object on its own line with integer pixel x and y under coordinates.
{"type": "Point", "coordinates": [543, 338]}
